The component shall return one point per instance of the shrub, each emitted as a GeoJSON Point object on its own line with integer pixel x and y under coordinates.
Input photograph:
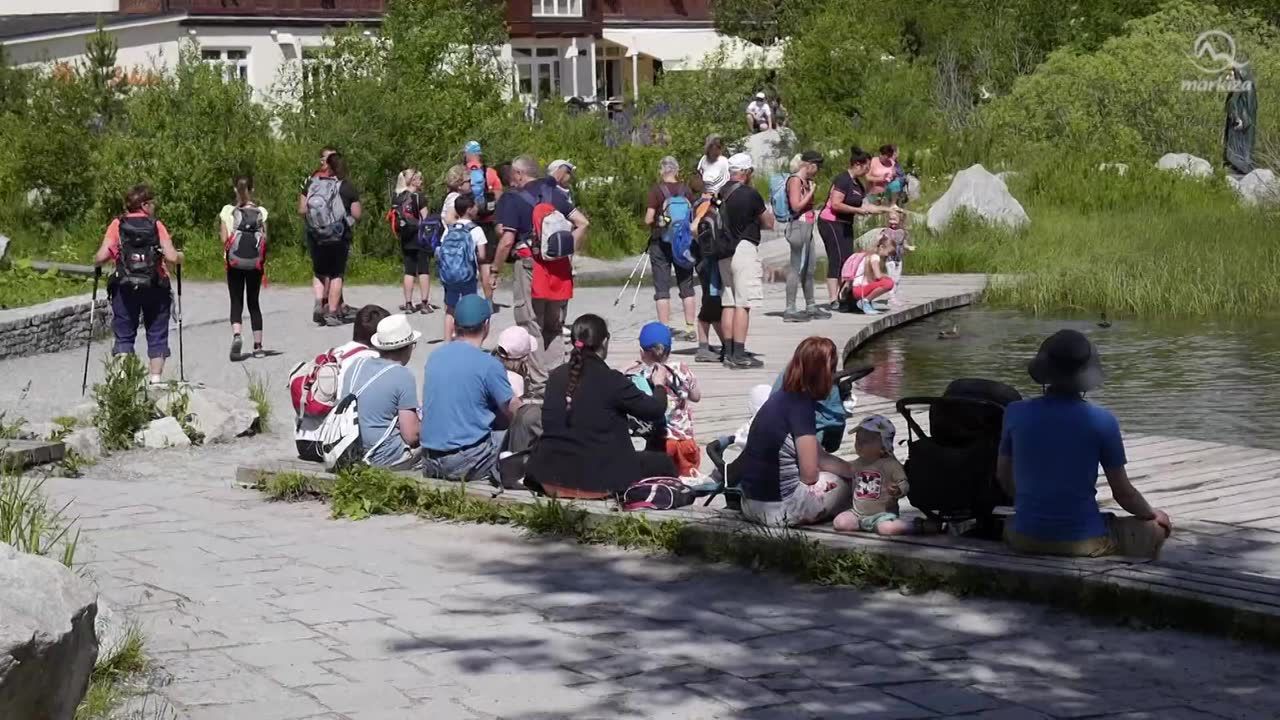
{"type": "Point", "coordinates": [124, 407]}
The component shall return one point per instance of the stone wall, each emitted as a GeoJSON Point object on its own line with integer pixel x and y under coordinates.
{"type": "Point", "coordinates": [52, 326]}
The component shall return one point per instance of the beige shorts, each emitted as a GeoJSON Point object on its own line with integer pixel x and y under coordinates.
{"type": "Point", "coordinates": [1126, 536]}
{"type": "Point", "coordinates": [742, 277]}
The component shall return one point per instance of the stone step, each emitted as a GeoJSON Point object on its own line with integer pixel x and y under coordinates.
{"type": "Point", "coordinates": [27, 453]}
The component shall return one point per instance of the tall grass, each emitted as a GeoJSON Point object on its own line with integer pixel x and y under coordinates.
{"type": "Point", "coordinates": [30, 525]}
{"type": "Point", "coordinates": [1149, 243]}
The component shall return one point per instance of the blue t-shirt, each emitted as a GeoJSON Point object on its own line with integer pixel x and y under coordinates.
{"type": "Point", "coordinates": [380, 405]}
{"type": "Point", "coordinates": [783, 417]}
{"type": "Point", "coordinates": [829, 413]}
{"type": "Point", "coordinates": [516, 213]}
{"type": "Point", "coordinates": [463, 389]}
{"type": "Point", "coordinates": [1057, 444]}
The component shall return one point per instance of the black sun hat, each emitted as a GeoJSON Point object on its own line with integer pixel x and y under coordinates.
{"type": "Point", "coordinates": [1067, 360]}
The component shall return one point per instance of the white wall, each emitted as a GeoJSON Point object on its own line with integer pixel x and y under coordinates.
{"type": "Point", "coordinates": [42, 7]}
{"type": "Point", "coordinates": [148, 47]}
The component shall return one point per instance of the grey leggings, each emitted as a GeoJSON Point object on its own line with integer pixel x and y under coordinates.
{"type": "Point", "coordinates": [799, 235]}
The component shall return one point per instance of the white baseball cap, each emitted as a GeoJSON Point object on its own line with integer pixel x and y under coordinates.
{"type": "Point", "coordinates": [394, 332]}
{"type": "Point", "coordinates": [557, 164]}
{"type": "Point", "coordinates": [741, 161]}
{"type": "Point", "coordinates": [759, 96]}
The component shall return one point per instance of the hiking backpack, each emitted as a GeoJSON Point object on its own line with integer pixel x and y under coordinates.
{"type": "Point", "coordinates": [403, 217]}
{"type": "Point", "coordinates": [430, 233]}
{"type": "Point", "coordinates": [247, 247]}
{"type": "Point", "coordinates": [779, 198]}
{"type": "Point", "coordinates": [714, 239]}
{"type": "Point", "coordinates": [326, 214]}
{"type": "Point", "coordinates": [314, 385]}
{"type": "Point", "coordinates": [677, 231]}
{"type": "Point", "coordinates": [480, 189]}
{"type": "Point", "coordinates": [456, 256]}
{"type": "Point", "coordinates": [138, 264]}
{"type": "Point", "coordinates": [552, 231]}
{"type": "Point", "coordinates": [657, 493]}
{"type": "Point", "coordinates": [340, 433]}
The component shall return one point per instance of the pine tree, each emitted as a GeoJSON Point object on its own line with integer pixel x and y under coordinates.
{"type": "Point", "coordinates": [99, 68]}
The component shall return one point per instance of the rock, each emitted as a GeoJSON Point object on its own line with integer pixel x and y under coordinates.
{"type": "Point", "coordinates": [1117, 168]}
{"type": "Point", "coordinates": [4, 246]}
{"type": "Point", "coordinates": [770, 150]}
{"type": "Point", "coordinates": [37, 431]}
{"type": "Point", "coordinates": [1188, 164]}
{"type": "Point", "coordinates": [1005, 175]}
{"type": "Point", "coordinates": [111, 628]}
{"type": "Point", "coordinates": [163, 433]}
{"type": "Point", "coordinates": [85, 441]}
{"type": "Point", "coordinates": [47, 642]}
{"type": "Point", "coordinates": [221, 416]}
{"type": "Point", "coordinates": [1260, 187]}
{"type": "Point", "coordinates": [84, 412]}
{"type": "Point", "coordinates": [981, 193]}
{"type": "Point", "coordinates": [913, 188]}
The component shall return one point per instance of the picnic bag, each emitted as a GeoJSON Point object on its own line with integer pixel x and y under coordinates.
{"type": "Point", "coordinates": [247, 247]}
{"type": "Point", "coordinates": [326, 216]}
{"type": "Point", "coordinates": [313, 386]}
{"type": "Point", "coordinates": [677, 227]}
{"type": "Point", "coordinates": [456, 256]}
{"type": "Point", "coordinates": [340, 432]}
{"type": "Point", "coordinates": [138, 264]}
{"type": "Point", "coordinates": [657, 493]}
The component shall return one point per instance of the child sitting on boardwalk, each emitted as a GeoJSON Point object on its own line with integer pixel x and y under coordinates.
{"type": "Point", "coordinates": [879, 481]}
{"type": "Point", "coordinates": [680, 443]}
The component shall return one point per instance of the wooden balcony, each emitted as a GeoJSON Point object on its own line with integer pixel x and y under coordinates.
{"type": "Point", "coordinates": [261, 8]}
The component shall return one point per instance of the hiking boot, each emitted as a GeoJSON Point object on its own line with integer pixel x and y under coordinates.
{"type": "Point", "coordinates": [347, 313]}
{"type": "Point", "coordinates": [426, 308]}
{"type": "Point", "coordinates": [745, 362]}
{"type": "Point", "coordinates": [235, 348]}
{"type": "Point", "coordinates": [817, 313]}
{"type": "Point", "coordinates": [317, 313]}
{"type": "Point", "coordinates": [706, 355]}
{"type": "Point", "coordinates": [333, 320]}
{"type": "Point", "coordinates": [408, 308]}
{"type": "Point", "coordinates": [795, 316]}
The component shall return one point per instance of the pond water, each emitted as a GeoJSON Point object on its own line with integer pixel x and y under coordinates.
{"type": "Point", "coordinates": [1207, 380]}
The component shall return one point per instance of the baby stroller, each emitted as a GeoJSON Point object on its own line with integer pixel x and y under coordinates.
{"type": "Point", "coordinates": [953, 466]}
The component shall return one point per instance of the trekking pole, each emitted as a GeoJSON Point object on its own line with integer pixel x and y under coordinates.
{"type": "Point", "coordinates": [643, 268]}
{"type": "Point", "coordinates": [639, 261]}
{"type": "Point", "coordinates": [182, 375]}
{"type": "Point", "coordinates": [88, 344]}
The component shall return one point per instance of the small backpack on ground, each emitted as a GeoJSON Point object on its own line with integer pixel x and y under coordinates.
{"type": "Point", "coordinates": [677, 232]}
{"type": "Point", "coordinates": [313, 386]}
{"type": "Point", "coordinates": [657, 493]}
{"type": "Point", "coordinates": [552, 231]}
{"type": "Point", "coordinates": [138, 264]}
{"type": "Point", "coordinates": [430, 233]}
{"type": "Point", "coordinates": [714, 239]}
{"type": "Point", "coordinates": [456, 256]}
{"type": "Point", "coordinates": [340, 432]}
{"type": "Point", "coordinates": [326, 214]}
{"type": "Point", "coordinates": [778, 197]}
{"type": "Point", "coordinates": [247, 247]}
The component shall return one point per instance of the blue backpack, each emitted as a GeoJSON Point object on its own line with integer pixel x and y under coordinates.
{"type": "Point", "coordinates": [456, 256]}
{"type": "Point", "coordinates": [480, 188]}
{"type": "Point", "coordinates": [677, 214]}
{"type": "Point", "coordinates": [778, 197]}
{"type": "Point", "coordinates": [430, 232]}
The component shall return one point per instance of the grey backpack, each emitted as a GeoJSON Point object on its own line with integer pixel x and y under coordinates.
{"type": "Point", "coordinates": [326, 213]}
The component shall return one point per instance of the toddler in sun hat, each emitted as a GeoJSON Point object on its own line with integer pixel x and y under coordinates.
{"type": "Point", "coordinates": [879, 481]}
{"type": "Point", "coordinates": [679, 442]}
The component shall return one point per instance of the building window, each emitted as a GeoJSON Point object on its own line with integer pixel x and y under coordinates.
{"type": "Point", "coordinates": [537, 72]}
{"type": "Point", "coordinates": [557, 8]}
{"type": "Point", "coordinates": [317, 73]}
{"type": "Point", "coordinates": [234, 64]}
{"type": "Point", "coordinates": [609, 60]}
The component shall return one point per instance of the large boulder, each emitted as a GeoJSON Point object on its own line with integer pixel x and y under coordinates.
{"type": "Point", "coordinates": [47, 641]}
{"type": "Point", "coordinates": [1260, 187]}
{"type": "Point", "coordinates": [163, 433]}
{"type": "Point", "coordinates": [770, 150]}
{"type": "Point", "coordinates": [913, 188]}
{"type": "Point", "coordinates": [4, 247]}
{"type": "Point", "coordinates": [221, 416]}
{"type": "Point", "coordinates": [111, 628]}
{"type": "Point", "coordinates": [981, 193]}
{"type": "Point", "coordinates": [1185, 163]}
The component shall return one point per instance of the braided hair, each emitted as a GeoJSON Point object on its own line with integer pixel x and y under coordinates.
{"type": "Point", "coordinates": [588, 334]}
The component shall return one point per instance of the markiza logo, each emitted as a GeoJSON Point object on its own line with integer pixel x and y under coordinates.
{"type": "Point", "coordinates": [1214, 51]}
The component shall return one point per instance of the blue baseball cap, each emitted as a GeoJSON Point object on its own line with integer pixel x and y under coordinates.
{"type": "Point", "coordinates": [471, 148]}
{"type": "Point", "coordinates": [655, 333]}
{"type": "Point", "coordinates": [472, 311]}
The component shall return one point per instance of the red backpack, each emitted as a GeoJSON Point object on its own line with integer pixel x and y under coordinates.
{"type": "Point", "coordinates": [313, 386]}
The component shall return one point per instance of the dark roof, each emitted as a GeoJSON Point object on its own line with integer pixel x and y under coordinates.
{"type": "Point", "coordinates": [17, 26]}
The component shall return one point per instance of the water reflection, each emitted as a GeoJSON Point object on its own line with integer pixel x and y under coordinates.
{"type": "Point", "coordinates": [1208, 380]}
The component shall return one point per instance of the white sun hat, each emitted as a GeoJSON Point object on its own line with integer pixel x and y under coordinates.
{"type": "Point", "coordinates": [394, 332]}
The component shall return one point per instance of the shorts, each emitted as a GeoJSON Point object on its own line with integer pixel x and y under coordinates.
{"type": "Point", "coordinates": [1127, 536]}
{"type": "Point", "coordinates": [743, 277]}
{"type": "Point", "coordinates": [454, 293]}
{"type": "Point", "coordinates": [662, 262]}
{"type": "Point", "coordinates": [417, 261]}
{"type": "Point", "coordinates": [490, 243]}
{"type": "Point", "coordinates": [687, 456]}
{"type": "Point", "coordinates": [868, 523]}
{"type": "Point", "coordinates": [329, 260]}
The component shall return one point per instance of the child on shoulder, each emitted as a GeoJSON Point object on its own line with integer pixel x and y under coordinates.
{"type": "Point", "coordinates": [879, 481]}
{"type": "Point", "coordinates": [680, 443]}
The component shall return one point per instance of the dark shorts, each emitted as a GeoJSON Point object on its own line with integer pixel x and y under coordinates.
{"type": "Point", "coordinates": [417, 261]}
{"type": "Point", "coordinates": [662, 262]}
{"type": "Point", "coordinates": [454, 293]}
{"type": "Point", "coordinates": [329, 260]}
{"type": "Point", "coordinates": [490, 231]}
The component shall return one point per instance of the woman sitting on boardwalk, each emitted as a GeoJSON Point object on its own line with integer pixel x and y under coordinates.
{"type": "Point", "coordinates": [786, 478]}
{"type": "Point", "coordinates": [1050, 450]}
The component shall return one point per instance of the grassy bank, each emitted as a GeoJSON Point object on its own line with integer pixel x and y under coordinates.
{"type": "Point", "coordinates": [20, 286]}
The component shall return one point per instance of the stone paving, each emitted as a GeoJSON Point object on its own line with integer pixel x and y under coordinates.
{"type": "Point", "coordinates": [270, 611]}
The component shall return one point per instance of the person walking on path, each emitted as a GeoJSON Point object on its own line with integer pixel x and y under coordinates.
{"type": "Point", "coordinates": [408, 210]}
{"type": "Point", "coordinates": [330, 207]}
{"type": "Point", "coordinates": [658, 215]}
{"type": "Point", "coordinates": [486, 188]}
{"type": "Point", "coordinates": [713, 166]}
{"type": "Point", "coordinates": [466, 396]}
{"type": "Point", "coordinates": [244, 244]}
{"type": "Point", "coordinates": [845, 204]}
{"type": "Point", "coordinates": [139, 289]}
{"type": "Point", "coordinates": [800, 189]}
{"type": "Point", "coordinates": [388, 396]}
{"type": "Point", "coordinates": [745, 215]}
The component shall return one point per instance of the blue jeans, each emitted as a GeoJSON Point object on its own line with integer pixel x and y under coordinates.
{"type": "Point", "coordinates": [477, 462]}
{"type": "Point", "coordinates": [150, 305]}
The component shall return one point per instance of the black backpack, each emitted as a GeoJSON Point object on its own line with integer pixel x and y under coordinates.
{"type": "Point", "coordinates": [714, 239]}
{"type": "Point", "coordinates": [138, 264]}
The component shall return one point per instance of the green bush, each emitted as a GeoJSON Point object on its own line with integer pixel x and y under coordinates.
{"type": "Point", "coordinates": [124, 407]}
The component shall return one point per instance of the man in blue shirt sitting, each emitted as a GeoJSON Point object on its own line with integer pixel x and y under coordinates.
{"type": "Point", "coordinates": [465, 397]}
{"type": "Point", "coordinates": [1050, 450]}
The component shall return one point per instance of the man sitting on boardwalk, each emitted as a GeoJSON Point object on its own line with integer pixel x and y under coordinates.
{"type": "Point", "coordinates": [1050, 450]}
